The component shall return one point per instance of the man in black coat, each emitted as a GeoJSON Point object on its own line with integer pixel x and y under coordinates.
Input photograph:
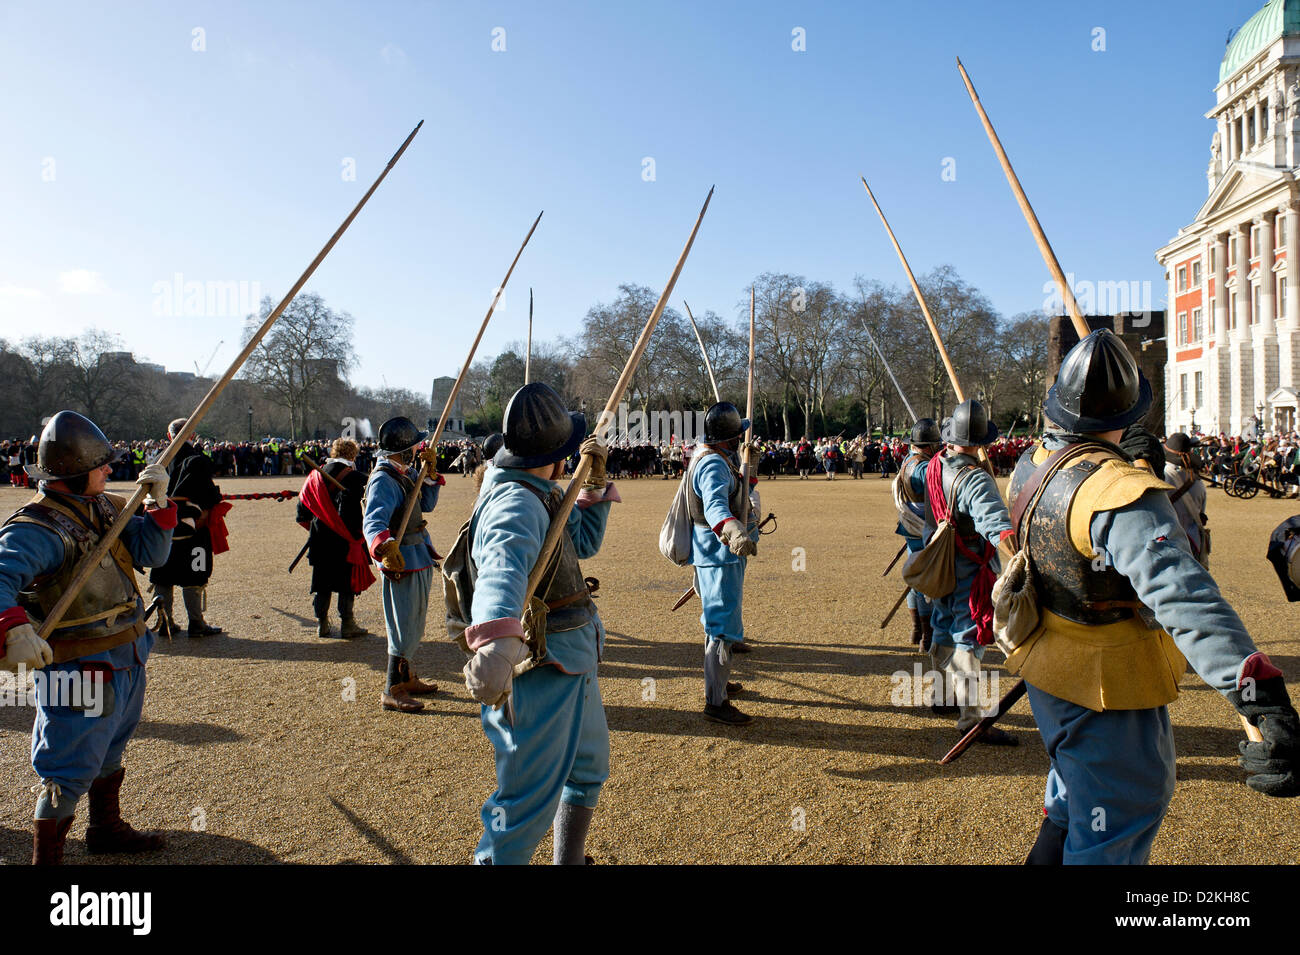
{"type": "Point", "coordinates": [327, 551]}
{"type": "Point", "coordinates": [189, 566]}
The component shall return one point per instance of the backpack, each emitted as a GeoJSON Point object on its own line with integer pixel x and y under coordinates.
{"type": "Point", "coordinates": [932, 570]}
{"type": "Point", "coordinates": [675, 537]}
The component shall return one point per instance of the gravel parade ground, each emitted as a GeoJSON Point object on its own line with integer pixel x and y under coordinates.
{"type": "Point", "coordinates": [266, 744]}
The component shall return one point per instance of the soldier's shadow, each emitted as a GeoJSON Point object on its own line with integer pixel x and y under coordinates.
{"type": "Point", "coordinates": [184, 847]}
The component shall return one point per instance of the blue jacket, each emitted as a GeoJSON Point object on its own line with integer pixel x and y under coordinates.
{"type": "Point", "coordinates": [384, 500]}
{"type": "Point", "coordinates": [713, 481]}
{"type": "Point", "coordinates": [507, 529]}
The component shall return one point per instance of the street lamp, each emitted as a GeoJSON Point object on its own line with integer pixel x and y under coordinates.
{"type": "Point", "coordinates": [250, 424]}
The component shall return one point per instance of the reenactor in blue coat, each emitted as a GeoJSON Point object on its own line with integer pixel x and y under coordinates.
{"type": "Point", "coordinates": [91, 680]}
{"type": "Point", "coordinates": [909, 497]}
{"type": "Point", "coordinates": [1124, 607]}
{"type": "Point", "coordinates": [405, 554]}
{"type": "Point", "coordinates": [535, 655]}
{"type": "Point", "coordinates": [720, 544]}
{"type": "Point", "coordinates": [964, 489]}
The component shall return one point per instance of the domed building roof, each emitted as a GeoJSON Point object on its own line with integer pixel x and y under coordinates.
{"type": "Point", "coordinates": [1277, 18]}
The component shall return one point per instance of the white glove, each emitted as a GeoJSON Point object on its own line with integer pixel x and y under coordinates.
{"type": "Point", "coordinates": [23, 646]}
{"type": "Point", "coordinates": [734, 536]}
{"type": "Point", "coordinates": [490, 672]}
{"type": "Point", "coordinates": [154, 480]}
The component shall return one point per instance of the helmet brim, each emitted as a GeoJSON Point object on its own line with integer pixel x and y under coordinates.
{"type": "Point", "coordinates": [37, 473]}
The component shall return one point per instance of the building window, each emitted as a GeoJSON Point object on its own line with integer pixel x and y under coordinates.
{"type": "Point", "coordinates": [1232, 311]}
{"type": "Point", "coordinates": [1182, 392]}
{"type": "Point", "coordinates": [1198, 325]}
{"type": "Point", "coordinates": [1213, 253]}
{"type": "Point", "coordinates": [1281, 230]}
{"type": "Point", "coordinates": [1253, 249]}
{"type": "Point", "coordinates": [1182, 328]}
{"type": "Point", "coordinates": [1281, 295]}
{"type": "Point", "coordinates": [1196, 274]}
{"type": "Point", "coordinates": [1182, 278]}
{"type": "Point", "coordinates": [1200, 390]}
{"type": "Point", "coordinates": [1263, 120]}
{"type": "Point", "coordinates": [1254, 304]}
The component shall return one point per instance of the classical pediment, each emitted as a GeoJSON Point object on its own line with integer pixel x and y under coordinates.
{"type": "Point", "coordinates": [1243, 182]}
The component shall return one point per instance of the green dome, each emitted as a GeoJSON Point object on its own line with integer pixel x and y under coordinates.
{"type": "Point", "coordinates": [1278, 18]}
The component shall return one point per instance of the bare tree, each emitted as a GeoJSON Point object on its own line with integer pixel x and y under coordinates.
{"type": "Point", "coordinates": [306, 353]}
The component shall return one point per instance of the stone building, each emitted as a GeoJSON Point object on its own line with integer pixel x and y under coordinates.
{"type": "Point", "coordinates": [456, 420]}
{"type": "Point", "coordinates": [1234, 337]}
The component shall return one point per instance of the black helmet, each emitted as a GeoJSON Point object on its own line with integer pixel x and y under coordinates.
{"type": "Point", "coordinates": [969, 425]}
{"type": "Point", "coordinates": [926, 431]}
{"type": "Point", "coordinates": [538, 429]}
{"type": "Point", "coordinates": [492, 444]}
{"type": "Point", "coordinates": [399, 434]}
{"type": "Point", "coordinates": [1181, 443]}
{"type": "Point", "coordinates": [1099, 386]}
{"type": "Point", "coordinates": [71, 445]}
{"type": "Point", "coordinates": [723, 422]}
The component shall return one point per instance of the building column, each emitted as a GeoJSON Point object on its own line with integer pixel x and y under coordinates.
{"type": "Point", "coordinates": [1288, 317]}
{"type": "Point", "coordinates": [1242, 354]}
{"type": "Point", "coordinates": [1263, 332]}
{"type": "Point", "coordinates": [1220, 383]}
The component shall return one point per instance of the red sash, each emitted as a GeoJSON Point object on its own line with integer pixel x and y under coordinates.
{"type": "Point", "coordinates": [217, 527]}
{"type": "Point", "coordinates": [981, 591]}
{"type": "Point", "coordinates": [316, 499]}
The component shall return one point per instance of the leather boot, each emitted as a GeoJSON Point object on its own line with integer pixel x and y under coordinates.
{"type": "Point", "coordinates": [108, 831]}
{"type": "Point", "coordinates": [917, 632]}
{"type": "Point", "coordinates": [927, 634]}
{"type": "Point", "coordinates": [396, 695]}
{"type": "Point", "coordinates": [47, 844]}
{"type": "Point", "coordinates": [417, 687]}
{"type": "Point", "coordinates": [350, 626]}
{"type": "Point", "coordinates": [323, 627]}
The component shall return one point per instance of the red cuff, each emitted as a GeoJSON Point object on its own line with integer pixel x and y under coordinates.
{"type": "Point", "coordinates": [380, 538]}
{"type": "Point", "coordinates": [13, 617]}
{"type": "Point", "coordinates": [481, 634]}
{"type": "Point", "coordinates": [442, 480]}
{"type": "Point", "coordinates": [164, 517]}
{"type": "Point", "coordinates": [1009, 532]}
{"type": "Point", "coordinates": [1255, 667]}
{"type": "Point", "coordinates": [721, 524]}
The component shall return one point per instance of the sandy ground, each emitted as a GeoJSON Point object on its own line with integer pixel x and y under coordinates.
{"type": "Point", "coordinates": [252, 751]}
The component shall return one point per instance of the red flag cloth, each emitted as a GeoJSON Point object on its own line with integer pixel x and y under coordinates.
{"type": "Point", "coordinates": [981, 591]}
{"type": "Point", "coordinates": [217, 527]}
{"type": "Point", "coordinates": [316, 499]}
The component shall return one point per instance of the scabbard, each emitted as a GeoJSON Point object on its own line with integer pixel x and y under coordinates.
{"type": "Point", "coordinates": [1008, 701]}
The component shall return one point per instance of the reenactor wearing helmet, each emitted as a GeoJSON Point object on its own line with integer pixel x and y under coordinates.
{"type": "Point", "coordinates": [1188, 497]}
{"type": "Point", "coordinates": [406, 554]}
{"type": "Point", "coordinates": [200, 534]}
{"type": "Point", "coordinates": [720, 544]}
{"type": "Point", "coordinates": [535, 655]}
{"type": "Point", "coordinates": [967, 494]}
{"type": "Point", "coordinates": [909, 497]}
{"type": "Point", "coordinates": [1124, 606]}
{"type": "Point", "coordinates": [90, 691]}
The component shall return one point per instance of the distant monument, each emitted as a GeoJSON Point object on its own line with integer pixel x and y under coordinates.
{"type": "Point", "coordinates": [456, 420]}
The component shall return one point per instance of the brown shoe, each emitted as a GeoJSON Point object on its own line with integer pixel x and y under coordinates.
{"type": "Point", "coordinates": [396, 698]}
{"type": "Point", "coordinates": [108, 831]}
{"type": "Point", "coordinates": [353, 629]}
{"type": "Point", "coordinates": [417, 687]}
{"type": "Point", "coordinates": [47, 843]}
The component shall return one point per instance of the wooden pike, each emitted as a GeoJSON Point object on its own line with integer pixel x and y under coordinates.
{"type": "Point", "coordinates": [432, 440]}
{"type": "Point", "coordinates": [528, 355]}
{"type": "Point", "coordinates": [92, 559]}
{"type": "Point", "coordinates": [1049, 256]}
{"type": "Point", "coordinates": [1004, 704]}
{"type": "Point", "coordinates": [746, 463]}
{"type": "Point", "coordinates": [560, 519]}
{"type": "Point", "coordinates": [1045, 247]}
{"type": "Point", "coordinates": [925, 309]}
{"type": "Point", "coordinates": [708, 366]}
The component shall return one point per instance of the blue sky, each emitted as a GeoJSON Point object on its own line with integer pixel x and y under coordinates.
{"type": "Point", "coordinates": [127, 156]}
